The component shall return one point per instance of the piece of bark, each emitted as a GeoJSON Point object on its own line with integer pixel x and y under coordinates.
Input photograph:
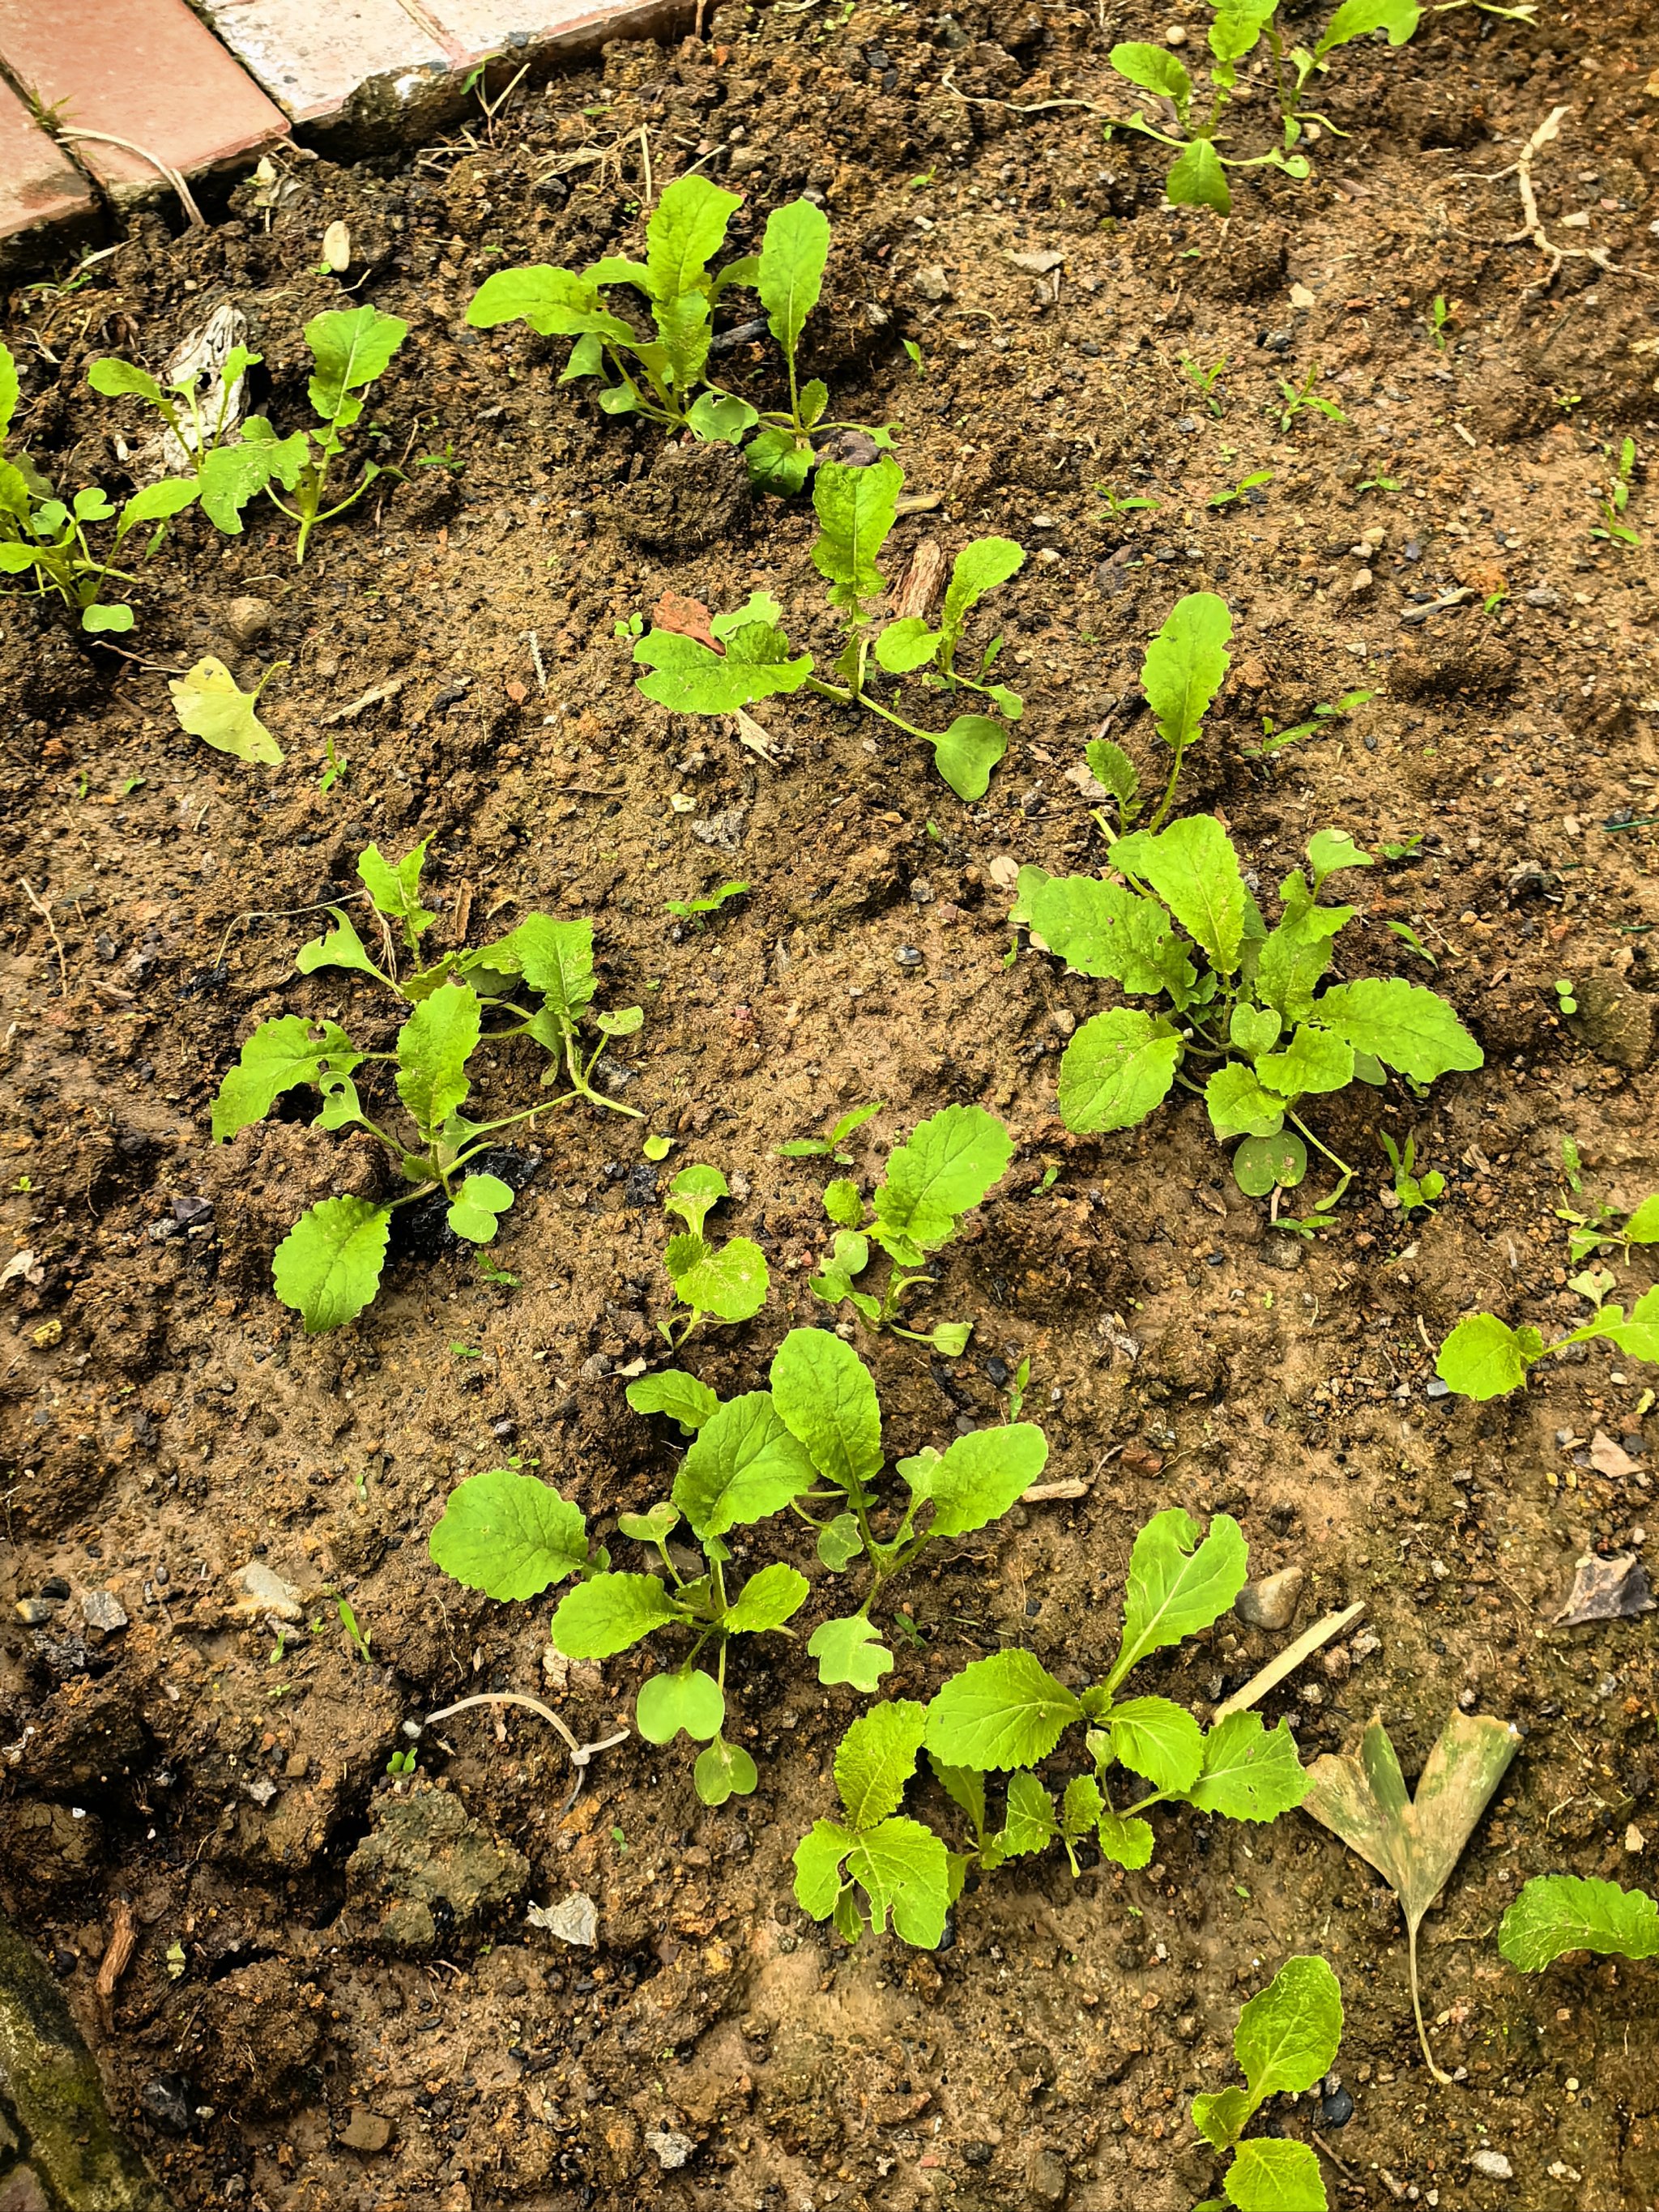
{"type": "Point", "coordinates": [923, 585]}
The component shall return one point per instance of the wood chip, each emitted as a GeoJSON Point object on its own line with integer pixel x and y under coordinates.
{"type": "Point", "coordinates": [1288, 1661]}
{"type": "Point", "coordinates": [1040, 1494]}
{"type": "Point", "coordinates": [124, 1936]}
{"type": "Point", "coordinates": [923, 585]}
{"type": "Point", "coordinates": [374, 698]}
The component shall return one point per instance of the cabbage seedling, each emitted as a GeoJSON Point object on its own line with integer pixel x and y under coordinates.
{"type": "Point", "coordinates": [328, 1267]}
{"type": "Point", "coordinates": [1485, 1358]}
{"type": "Point", "coordinates": [1557, 1912]}
{"type": "Point", "coordinates": [1286, 2040]}
{"type": "Point", "coordinates": [829, 1148]}
{"type": "Point", "coordinates": [728, 1283]}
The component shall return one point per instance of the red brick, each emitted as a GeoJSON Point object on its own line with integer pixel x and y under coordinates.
{"type": "Point", "coordinates": [40, 190]}
{"type": "Point", "coordinates": [145, 70]}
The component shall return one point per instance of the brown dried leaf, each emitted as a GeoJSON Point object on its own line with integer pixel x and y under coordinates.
{"type": "Point", "coordinates": [1609, 1458]}
{"type": "Point", "coordinates": [1607, 1590]}
{"type": "Point", "coordinates": [687, 617]}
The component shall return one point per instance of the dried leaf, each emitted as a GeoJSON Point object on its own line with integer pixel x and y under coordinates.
{"type": "Point", "coordinates": [1413, 1844]}
{"type": "Point", "coordinates": [1609, 1458]}
{"type": "Point", "coordinates": [686, 617]}
{"type": "Point", "coordinates": [212, 706]}
{"type": "Point", "coordinates": [573, 1920]}
{"type": "Point", "coordinates": [1607, 1590]}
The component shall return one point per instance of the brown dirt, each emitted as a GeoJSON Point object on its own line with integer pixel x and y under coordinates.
{"type": "Point", "coordinates": [169, 1424]}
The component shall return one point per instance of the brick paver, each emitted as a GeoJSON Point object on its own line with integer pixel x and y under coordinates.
{"type": "Point", "coordinates": [40, 190]}
{"type": "Point", "coordinates": [520, 29]}
{"type": "Point", "coordinates": [315, 56]}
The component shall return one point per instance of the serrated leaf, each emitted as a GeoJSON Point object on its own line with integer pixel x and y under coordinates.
{"type": "Point", "coordinates": [843, 1204]}
{"type": "Point", "coordinates": [1484, 1358]}
{"type": "Point", "coordinates": [1106, 929]}
{"type": "Point", "coordinates": [901, 1868]}
{"type": "Point", "coordinates": [211, 705]}
{"type": "Point", "coordinates": [1403, 1025]}
{"type": "Point", "coordinates": [1197, 178]}
{"type": "Point", "coordinates": [687, 228]}
{"type": "Point", "coordinates": [1112, 768]}
{"type": "Point", "coordinates": [980, 1476]}
{"type": "Point", "coordinates": [1220, 2115]}
{"type": "Point", "coordinates": [1250, 1772]}
{"type": "Point", "coordinates": [981, 567]}
{"type": "Point", "coordinates": [1003, 1711]}
{"type": "Point", "coordinates": [1272, 2176]}
{"type": "Point", "coordinates": [877, 1758]}
{"type": "Point", "coordinates": [790, 275]}
{"type": "Point", "coordinates": [1295, 955]}
{"type": "Point", "coordinates": [1178, 1585]}
{"type": "Point", "coordinates": [668, 1703]}
{"type": "Point", "coordinates": [351, 346]}
{"type": "Point", "coordinates": [508, 1535]}
{"type": "Point", "coordinates": [1126, 1839]}
{"type": "Point", "coordinates": [1288, 2033]}
{"type": "Point", "coordinates": [1156, 1738]}
{"type": "Point", "coordinates": [1194, 869]}
{"type": "Point", "coordinates": [476, 1210]}
{"type": "Point", "coordinates": [395, 891]}
{"type": "Point", "coordinates": [609, 1613]}
{"type": "Point", "coordinates": [1557, 1912]}
{"type": "Point", "coordinates": [966, 752]}
{"type": "Point", "coordinates": [850, 1650]}
{"type": "Point", "coordinates": [434, 1046]}
{"type": "Point", "coordinates": [328, 1267]}
{"type": "Point", "coordinates": [1116, 1070]}
{"type": "Point", "coordinates": [684, 327]}
{"type": "Point", "coordinates": [825, 1396]}
{"type": "Point", "coordinates": [1028, 1824]}
{"type": "Point", "coordinates": [1238, 1105]}
{"type": "Point", "coordinates": [1313, 1061]}
{"type": "Point", "coordinates": [743, 1466]}
{"type": "Point", "coordinates": [681, 1396]}
{"type": "Point", "coordinates": [280, 1055]}
{"type": "Point", "coordinates": [230, 476]}
{"type": "Point", "coordinates": [945, 1167]}
{"type": "Point", "coordinates": [855, 508]}
{"type": "Point", "coordinates": [767, 1599]}
{"type": "Point", "coordinates": [689, 679]}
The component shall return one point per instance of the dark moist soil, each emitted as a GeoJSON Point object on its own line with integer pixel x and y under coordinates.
{"type": "Point", "coordinates": [335, 2003]}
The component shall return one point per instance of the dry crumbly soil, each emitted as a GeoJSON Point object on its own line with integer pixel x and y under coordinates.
{"type": "Point", "coordinates": [303, 2030]}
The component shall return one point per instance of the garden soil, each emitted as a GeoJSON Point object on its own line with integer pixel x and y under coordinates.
{"type": "Point", "coordinates": [334, 2000]}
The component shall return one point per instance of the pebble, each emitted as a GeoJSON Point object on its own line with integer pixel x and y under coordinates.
{"type": "Point", "coordinates": [909, 955]}
{"type": "Point", "coordinates": [933, 283]}
{"type": "Point", "coordinates": [1336, 2108]}
{"type": "Point", "coordinates": [1271, 1602]}
{"type": "Point", "coordinates": [20, 2191]}
{"type": "Point", "coordinates": [102, 1609]}
{"type": "Point", "coordinates": [248, 618]}
{"type": "Point", "coordinates": [262, 1591]}
{"type": "Point", "coordinates": [1176, 35]}
{"type": "Point", "coordinates": [1493, 2163]}
{"type": "Point", "coordinates": [366, 2130]}
{"type": "Point", "coordinates": [1542, 597]}
{"type": "Point", "coordinates": [37, 1612]}
{"type": "Point", "coordinates": [164, 2101]}
{"type": "Point", "coordinates": [670, 2147]}
{"type": "Point", "coordinates": [1360, 583]}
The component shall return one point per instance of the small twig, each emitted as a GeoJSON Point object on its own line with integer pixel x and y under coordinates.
{"type": "Point", "coordinates": [192, 213]}
{"type": "Point", "coordinates": [1329, 2152]}
{"type": "Point", "coordinates": [535, 645]}
{"type": "Point", "coordinates": [1288, 1661]}
{"type": "Point", "coordinates": [579, 1752]}
{"type": "Point", "coordinates": [44, 913]}
{"type": "Point", "coordinates": [1036, 107]}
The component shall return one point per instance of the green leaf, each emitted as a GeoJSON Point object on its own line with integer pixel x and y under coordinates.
{"type": "Point", "coordinates": [1484, 1358]}
{"type": "Point", "coordinates": [328, 1267]}
{"type": "Point", "coordinates": [340, 947]}
{"type": "Point", "coordinates": [649, 1527]}
{"type": "Point", "coordinates": [230, 476]}
{"type": "Point", "coordinates": [1112, 768]}
{"type": "Point", "coordinates": [721, 419]}
{"type": "Point", "coordinates": [840, 1542]}
{"type": "Point", "coordinates": [609, 1613]}
{"type": "Point", "coordinates": [1643, 1226]}
{"type": "Point", "coordinates": [947, 1166]}
{"type": "Point", "coordinates": [817, 1860]}
{"type": "Point", "coordinates": [743, 1466]}
{"type": "Point", "coordinates": [825, 1396]}
{"type": "Point", "coordinates": [395, 892]}
{"type": "Point", "coordinates": [434, 1046]}
{"type": "Point", "coordinates": [685, 331]}
{"type": "Point", "coordinates": [730, 1283]}
{"type": "Point", "coordinates": [115, 379]}
{"type": "Point", "coordinates": [843, 1204]}
{"type": "Point", "coordinates": [778, 461]}
{"type": "Point", "coordinates": [556, 302]}
{"type": "Point", "coordinates": [668, 1703]}
{"type": "Point", "coordinates": [1196, 178]}
{"type": "Point", "coordinates": [279, 1055]}
{"type": "Point", "coordinates": [106, 618]}
{"type": "Point", "coordinates": [1126, 1839]}
{"type": "Point", "coordinates": [1640, 1335]}
{"type": "Point", "coordinates": [724, 1770]}
{"type": "Point", "coordinates": [980, 567]}
{"type": "Point", "coordinates": [352, 346]}
{"type": "Point", "coordinates": [1403, 1025]}
{"type": "Point", "coordinates": [1296, 954]}
{"type": "Point", "coordinates": [478, 1205]}
{"type": "Point", "coordinates": [1357, 19]}
{"type": "Point", "coordinates": [1239, 1107]}
{"type": "Point", "coordinates": [1158, 1739]}
{"type": "Point", "coordinates": [1314, 1061]}
{"type": "Point", "coordinates": [1176, 1584]}
{"type": "Point", "coordinates": [966, 752]}
{"type": "Point", "coordinates": [1264, 1163]}
{"type": "Point", "coordinates": [1003, 1711]}
{"type": "Point", "coordinates": [849, 1258]}
{"type": "Point", "coordinates": [877, 1758]}
{"type": "Point", "coordinates": [1194, 869]}
{"type": "Point", "coordinates": [1154, 70]}
{"type": "Point", "coordinates": [855, 508]}
{"type": "Point", "coordinates": [767, 1599]}
{"type": "Point", "coordinates": [1028, 1824]}
{"type": "Point", "coordinates": [850, 1650]}
{"type": "Point", "coordinates": [156, 503]}
{"type": "Point", "coordinates": [980, 1476]}
{"type": "Point", "coordinates": [1270, 2176]}
{"type": "Point", "coordinates": [682, 1397]}
{"type": "Point", "coordinates": [1184, 668]}
{"type": "Point", "coordinates": [509, 1535]}
{"type": "Point", "coordinates": [687, 228]}
{"type": "Point", "coordinates": [1288, 2033]}
{"type": "Point", "coordinates": [1220, 2116]}
{"type": "Point", "coordinates": [906, 645]}
{"type": "Point", "coordinates": [963, 1788]}
{"type": "Point", "coordinates": [901, 1868]}
{"type": "Point", "coordinates": [1081, 1807]}
{"type": "Point", "coordinates": [689, 679]}
{"type": "Point", "coordinates": [1105, 929]}
{"type": "Point", "coordinates": [1557, 1912]}
{"type": "Point", "coordinates": [1235, 33]}
{"type": "Point", "coordinates": [8, 390]}
{"type": "Point", "coordinates": [790, 276]}
{"type": "Point", "coordinates": [1252, 1029]}
{"type": "Point", "coordinates": [1116, 1069]}
{"type": "Point", "coordinates": [555, 959]}
{"type": "Point", "coordinates": [1331, 849]}
{"type": "Point", "coordinates": [1250, 1772]}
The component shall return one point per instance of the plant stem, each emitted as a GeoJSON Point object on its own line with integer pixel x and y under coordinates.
{"type": "Point", "coordinates": [1440, 2075]}
{"type": "Point", "coordinates": [1158, 820]}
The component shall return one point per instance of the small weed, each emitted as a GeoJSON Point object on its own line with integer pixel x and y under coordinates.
{"type": "Point", "coordinates": [711, 903]}
{"type": "Point", "coordinates": [1242, 490]}
{"type": "Point", "coordinates": [1275, 740]}
{"type": "Point", "coordinates": [1295, 397]}
{"type": "Point", "coordinates": [829, 1148]}
{"type": "Point", "coordinates": [1117, 506]}
{"type": "Point", "coordinates": [1408, 935]}
{"type": "Point", "coordinates": [401, 1762]}
{"type": "Point", "coordinates": [1381, 484]}
{"type": "Point", "coordinates": [349, 1622]}
{"type": "Point", "coordinates": [913, 353]}
{"type": "Point", "coordinates": [1566, 1001]}
{"type": "Point", "coordinates": [1205, 379]}
{"type": "Point", "coordinates": [1613, 526]}
{"type": "Point", "coordinates": [1412, 1189]}
{"type": "Point", "coordinates": [728, 1284]}
{"type": "Point", "coordinates": [1439, 315]}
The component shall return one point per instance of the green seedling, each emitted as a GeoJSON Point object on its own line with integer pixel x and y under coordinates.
{"type": "Point", "coordinates": [1244, 1001]}
{"type": "Point", "coordinates": [1198, 175]}
{"type": "Point", "coordinates": [1439, 315]}
{"type": "Point", "coordinates": [1286, 2041]}
{"type": "Point", "coordinates": [1117, 506]}
{"type": "Point", "coordinates": [1242, 490]}
{"type": "Point", "coordinates": [350, 347]}
{"type": "Point", "coordinates": [1319, 724]}
{"type": "Point", "coordinates": [401, 1762]}
{"type": "Point", "coordinates": [1409, 1188]}
{"type": "Point", "coordinates": [943, 1169]}
{"type": "Point", "coordinates": [1557, 1912]}
{"type": "Point", "coordinates": [1566, 1001]}
{"type": "Point", "coordinates": [329, 1266]}
{"type": "Point", "coordinates": [1405, 848]}
{"type": "Point", "coordinates": [1007, 1714]}
{"type": "Point", "coordinates": [726, 1284]}
{"type": "Point", "coordinates": [1492, 601]}
{"type": "Point", "coordinates": [829, 1148]}
{"type": "Point", "coordinates": [1183, 668]}
{"type": "Point", "coordinates": [750, 656]}
{"type": "Point", "coordinates": [1613, 526]}
{"type": "Point", "coordinates": [913, 353]}
{"type": "Point", "coordinates": [626, 632]}
{"type": "Point", "coordinates": [1017, 1388]}
{"type": "Point", "coordinates": [1205, 379]}
{"type": "Point", "coordinates": [813, 1443]}
{"type": "Point", "coordinates": [43, 538]}
{"type": "Point", "coordinates": [1381, 484]}
{"type": "Point", "coordinates": [1414, 1843]}
{"type": "Point", "coordinates": [1295, 397]}
{"type": "Point", "coordinates": [1485, 1358]}
{"type": "Point", "coordinates": [348, 1621]}
{"type": "Point", "coordinates": [693, 909]}
{"type": "Point", "coordinates": [1602, 1231]}
{"type": "Point", "coordinates": [195, 430]}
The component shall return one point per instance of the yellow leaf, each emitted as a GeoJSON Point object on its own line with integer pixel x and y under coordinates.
{"type": "Point", "coordinates": [210, 706]}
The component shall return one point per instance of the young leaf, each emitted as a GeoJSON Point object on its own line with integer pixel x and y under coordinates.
{"type": "Point", "coordinates": [1116, 1069]}
{"type": "Point", "coordinates": [1196, 178]}
{"type": "Point", "coordinates": [609, 1613]}
{"type": "Point", "coordinates": [855, 509]}
{"type": "Point", "coordinates": [395, 892]}
{"type": "Point", "coordinates": [1357, 19]}
{"type": "Point", "coordinates": [434, 1046]}
{"type": "Point", "coordinates": [1264, 1163]}
{"type": "Point", "coordinates": [817, 1861]}
{"type": "Point", "coordinates": [1154, 70]}
{"type": "Point", "coordinates": [743, 1466]}
{"type": "Point", "coordinates": [1125, 1839]}
{"type": "Point", "coordinates": [649, 1527]}
{"type": "Point", "coordinates": [689, 679]}
{"type": "Point", "coordinates": [687, 228]}
{"type": "Point", "coordinates": [840, 1542]}
{"type": "Point", "coordinates": [156, 503]}
{"type": "Point", "coordinates": [230, 476]}
{"type": "Point", "coordinates": [1314, 1061]}
{"type": "Point", "coordinates": [790, 275]}
{"type": "Point", "coordinates": [1221, 2115]}
{"type": "Point", "coordinates": [767, 1599]}
{"type": "Point", "coordinates": [1250, 1772]}
{"type": "Point", "coordinates": [901, 1867]}
{"type": "Point", "coordinates": [1273, 2175]}
{"type": "Point", "coordinates": [1288, 2033]}
{"type": "Point", "coordinates": [966, 752]}
{"type": "Point", "coordinates": [1112, 768]}
{"type": "Point", "coordinates": [877, 1757]}
{"type": "Point", "coordinates": [724, 1770]}
{"type": "Point", "coordinates": [947, 1166]}
{"type": "Point", "coordinates": [1176, 1584]}
{"type": "Point", "coordinates": [980, 567]}
{"type": "Point", "coordinates": [823, 1393]}
{"type": "Point", "coordinates": [721, 419]}
{"type": "Point", "coordinates": [731, 1284]}
{"type": "Point", "coordinates": [340, 947]}
{"type": "Point", "coordinates": [1029, 1824]}
{"type": "Point", "coordinates": [1296, 954]}
{"type": "Point", "coordinates": [1158, 1739]}
{"type": "Point", "coordinates": [509, 1535]}
{"type": "Point", "coordinates": [906, 645]}
{"type": "Point", "coordinates": [477, 1207]}
{"type": "Point", "coordinates": [328, 1267]}
{"type": "Point", "coordinates": [1484, 1358]}
{"type": "Point", "coordinates": [1185, 664]}
{"type": "Point", "coordinates": [1103, 929]}
{"type": "Point", "coordinates": [1194, 869]}
{"type": "Point", "coordinates": [352, 346]}
{"type": "Point", "coordinates": [280, 1055]}
{"type": "Point", "coordinates": [682, 1397]}
{"type": "Point", "coordinates": [980, 1476]}
{"type": "Point", "coordinates": [1239, 1107]}
{"type": "Point", "coordinates": [1402, 1024]}
{"type": "Point", "coordinates": [850, 1650]}
{"type": "Point", "coordinates": [1557, 1912]}
{"type": "Point", "coordinates": [1331, 849]}
{"type": "Point", "coordinates": [668, 1703]}
{"type": "Point", "coordinates": [210, 705]}
{"type": "Point", "coordinates": [1003, 1711]}
{"type": "Point", "coordinates": [843, 1203]}
{"type": "Point", "coordinates": [778, 461]}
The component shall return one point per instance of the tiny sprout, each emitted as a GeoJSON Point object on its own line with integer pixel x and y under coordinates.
{"type": "Point", "coordinates": [1295, 397]}
{"type": "Point", "coordinates": [1565, 1000]}
{"type": "Point", "coordinates": [694, 908]}
{"type": "Point", "coordinates": [1205, 378]}
{"type": "Point", "coordinates": [1439, 315]}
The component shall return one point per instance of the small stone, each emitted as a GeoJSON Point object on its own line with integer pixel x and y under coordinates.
{"type": "Point", "coordinates": [262, 1591]}
{"type": "Point", "coordinates": [670, 2148]}
{"type": "Point", "coordinates": [724, 831]}
{"type": "Point", "coordinates": [1635, 1841]}
{"type": "Point", "coordinates": [55, 1586]}
{"type": "Point", "coordinates": [190, 1211]}
{"type": "Point", "coordinates": [1616, 1589]}
{"type": "Point", "coordinates": [1285, 1253]}
{"type": "Point", "coordinates": [1338, 1664]}
{"type": "Point", "coordinates": [909, 955]}
{"type": "Point", "coordinates": [103, 1610]}
{"type": "Point", "coordinates": [1493, 2163]}
{"type": "Point", "coordinates": [248, 618]}
{"type": "Point", "coordinates": [20, 2191]}
{"type": "Point", "coordinates": [36, 1612]}
{"type": "Point", "coordinates": [1360, 583]}
{"type": "Point", "coordinates": [1047, 2181]}
{"type": "Point", "coordinates": [1176, 35]}
{"type": "Point", "coordinates": [366, 2130]}
{"type": "Point", "coordinates": [164, 2100]}
{"type": "Point", "coordinates": [573, 1920]}
{"type": "Point", "coordinates": [1271, 1602]}
{"type": "Point", "coordinates": [1541, 596]}
{"type": "Point", "coordinates": [1336, 2108]}
{"type": "Point", "coordinates": [933, 283]}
